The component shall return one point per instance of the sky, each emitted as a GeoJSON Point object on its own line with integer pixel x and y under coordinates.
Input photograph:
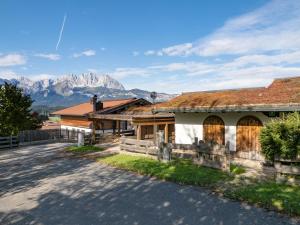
{"type": "Point", "coordinates": [168, 46]}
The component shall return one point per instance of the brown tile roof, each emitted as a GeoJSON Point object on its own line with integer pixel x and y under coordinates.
{"type": "Point", "coordinates": [282, 92]}
{"type": "Point", "coordinates": [86, 108]}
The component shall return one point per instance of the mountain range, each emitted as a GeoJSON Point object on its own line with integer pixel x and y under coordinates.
{"type": "Point", "coordinates": [73, 89]}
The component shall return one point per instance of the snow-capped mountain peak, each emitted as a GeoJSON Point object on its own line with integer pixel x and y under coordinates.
{"type": "Point", "coordinates": [72, 89]}
{"type": "Point", "coordinates": [91, 80]}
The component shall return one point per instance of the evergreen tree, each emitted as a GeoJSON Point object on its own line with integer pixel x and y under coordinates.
{"type": "Point", "coordinates": [15, 113]}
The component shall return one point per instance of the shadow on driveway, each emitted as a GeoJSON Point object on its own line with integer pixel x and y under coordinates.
{"type": "Point", "coordinates": [77, 191]}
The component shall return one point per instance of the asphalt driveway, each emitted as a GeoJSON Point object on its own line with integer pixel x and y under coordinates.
{"type": "Point", "coordinates": [39, 186]}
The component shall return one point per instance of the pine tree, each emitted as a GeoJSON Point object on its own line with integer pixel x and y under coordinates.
{"type": "Point", "coordinates": [15, 113]}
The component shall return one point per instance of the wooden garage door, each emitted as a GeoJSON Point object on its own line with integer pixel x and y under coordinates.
{"type": "Point", "coordinates": [248, 130]}
{"type": "Point", "coordinates": [214, 130]}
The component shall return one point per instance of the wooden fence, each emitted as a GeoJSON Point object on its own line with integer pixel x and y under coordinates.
{"type": "Point", "coordinates": [205, 154]}
{"type": "Point", "coordinates": [287, 170]}
{"type": "Point", "coordinates": [210, 155]}
{"type": "Point", "coordinates": [28, 137]}
{"type": "Point", "coordinates": [138, 146]}
{"type": "Point", "coordinates": [9, 142]}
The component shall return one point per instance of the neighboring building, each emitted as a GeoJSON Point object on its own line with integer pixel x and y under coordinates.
{"type": "Point", "coordinates": [232, 117]}
{"type": "Point", "coordinates": [77, 117]}
{"type": "Point", "coordinates": [143, 122]}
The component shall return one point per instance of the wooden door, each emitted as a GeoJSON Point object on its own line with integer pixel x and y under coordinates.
{"type": "Point", "coordinates": [214, 130]}
{"type": "Point", "coordinates": [248, 130]}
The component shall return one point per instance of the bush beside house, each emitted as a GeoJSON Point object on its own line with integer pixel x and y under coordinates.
{"type": "Point", "coordinates": [281, 137]}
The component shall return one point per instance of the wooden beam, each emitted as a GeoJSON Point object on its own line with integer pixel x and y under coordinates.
{"type": "Point", "coordinates": [154, 132]}
{"type": "Point", "coordinates": [119, 127]}
{"type": "Point", "coordinates": [94, 132]}
{"type": "Point", "coordinates": [114, 127]}
{"type": "Point", "coordinates": [139, 132]}
{"type": "Point", "coordinates": [166, 133]}
{"type": "Point", "coordinates": [152, 123]}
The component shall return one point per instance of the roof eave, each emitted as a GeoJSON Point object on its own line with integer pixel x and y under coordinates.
{"type": "Point", "coordinates": [246, 108]}
{"type": "Point", "coordinates": [81, 115]}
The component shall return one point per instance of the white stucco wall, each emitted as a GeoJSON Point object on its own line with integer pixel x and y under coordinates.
{"type": "Point", "coordinates": [190, 125]}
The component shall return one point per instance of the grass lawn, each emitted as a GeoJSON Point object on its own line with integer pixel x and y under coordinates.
{"type": "Point", "coordinates": [180, 171]}
{"type": "Point", "coordinates": [84, 149]}
{"type": "Point", "coordinates": [270, 195]}
{"type": "Point", "coordinates": [236, 169]}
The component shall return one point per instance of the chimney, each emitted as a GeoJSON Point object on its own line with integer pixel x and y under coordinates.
{"type": "Point", "coordinates": [97, 105]}
{"type": "Point", "coordinates": [94, 102]}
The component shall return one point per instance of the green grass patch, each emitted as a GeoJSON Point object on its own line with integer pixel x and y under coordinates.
{"type": "Point", "coordinates": [281, 197]}
{"type": "Point", "coordinates": [84, 149]}
{"type": "Point", "coordinates": [179, 171]}
{"type": "Point", "coordinates": [236, 169]}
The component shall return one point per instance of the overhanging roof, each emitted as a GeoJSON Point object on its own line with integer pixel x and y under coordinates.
{"type": "Point", "coordinates": [234, 108]}
{"type": "Point", "coordinates": [131, 117]}
{"type": "Point", "coordinates": [282, 95]}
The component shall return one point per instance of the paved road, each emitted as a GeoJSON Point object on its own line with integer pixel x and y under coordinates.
{"type": "Point", "coordinates": [40, 187]}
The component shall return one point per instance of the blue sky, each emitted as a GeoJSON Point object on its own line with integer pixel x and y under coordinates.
{"type": "Point", "coordinates": [162, 45]}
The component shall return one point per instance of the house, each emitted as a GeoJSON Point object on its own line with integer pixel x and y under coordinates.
{"type": "Point", "coordinates": [77, 117]}
{"type": "Point", "coordinates": [144, 122]}
{"type": "Point", "coordinates": [232, 117]}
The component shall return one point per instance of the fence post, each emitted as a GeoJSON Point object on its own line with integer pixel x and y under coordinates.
{"type": "Point", "coordinates": [164, 149]}
{"type": "Point", "coordinates": [227, 157]}
{"type": "Point", "coordinates": [80, 138]}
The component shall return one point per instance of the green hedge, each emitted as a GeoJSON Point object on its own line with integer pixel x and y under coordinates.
{"type": "Point", "coordinates": [281, 137]}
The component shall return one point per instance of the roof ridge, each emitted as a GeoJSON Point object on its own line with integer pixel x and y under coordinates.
{"type": "Point", "coordinates": [285, 78]}
{"type": "Point", "coordinates": [117, 99]}
{"type": "Point", "coordinates": [222, 90]}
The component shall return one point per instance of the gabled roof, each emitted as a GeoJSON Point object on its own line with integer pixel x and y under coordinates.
{"type": "Point", "coordinates": [87, 107]}
{"type": "Point", "coordinates": [282, 95]}
{"type": "Point", "coordinates": [135, 112]}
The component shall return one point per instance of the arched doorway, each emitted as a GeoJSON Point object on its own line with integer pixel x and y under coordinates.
{"type": "Point", "coordinates": [248, 130]}
{"type": "Point", "coordinates": [214, 130]}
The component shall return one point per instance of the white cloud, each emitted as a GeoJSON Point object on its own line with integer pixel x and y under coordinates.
{"type": "Point", "coordinates": [12, 60]}
{"type": "Point", "coordinates": [150, 52]}
{"type": "Point", "coordinates": [93, 70]}
{"type": "Point", "coordinates": [42, 76]}
{"type": "Point", "coordinates": [135, 53]}
{"type": "Point", "coordinates": [182, 49]}
{"type": "Point", "coordinates": [7, 74]}
{"type": "Point", "coordinates": [53, 57]}
{"type": "Point", "coordinates": [253, 70]}
{"type": "Point", "coordinates": [120, 73]}
{"type": "Point", "coordinates": [273, 27]}
{"type": "Point", "coordinates": [89, 52]}
{"type": "Point", "coordinates": [249, 50]}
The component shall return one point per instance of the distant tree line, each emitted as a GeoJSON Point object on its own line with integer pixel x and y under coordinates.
{"type": "Point", "coordinates": [15, 111]}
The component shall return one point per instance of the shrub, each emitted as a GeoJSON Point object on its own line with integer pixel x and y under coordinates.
{"type": "Point", "coordinates": [281, 137]}
{"type": "Point", "coordinates": [237, 169]}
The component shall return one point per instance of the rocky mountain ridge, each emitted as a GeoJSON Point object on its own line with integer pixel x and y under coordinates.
{"type": "Point", "coordinates": [72, 89]}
